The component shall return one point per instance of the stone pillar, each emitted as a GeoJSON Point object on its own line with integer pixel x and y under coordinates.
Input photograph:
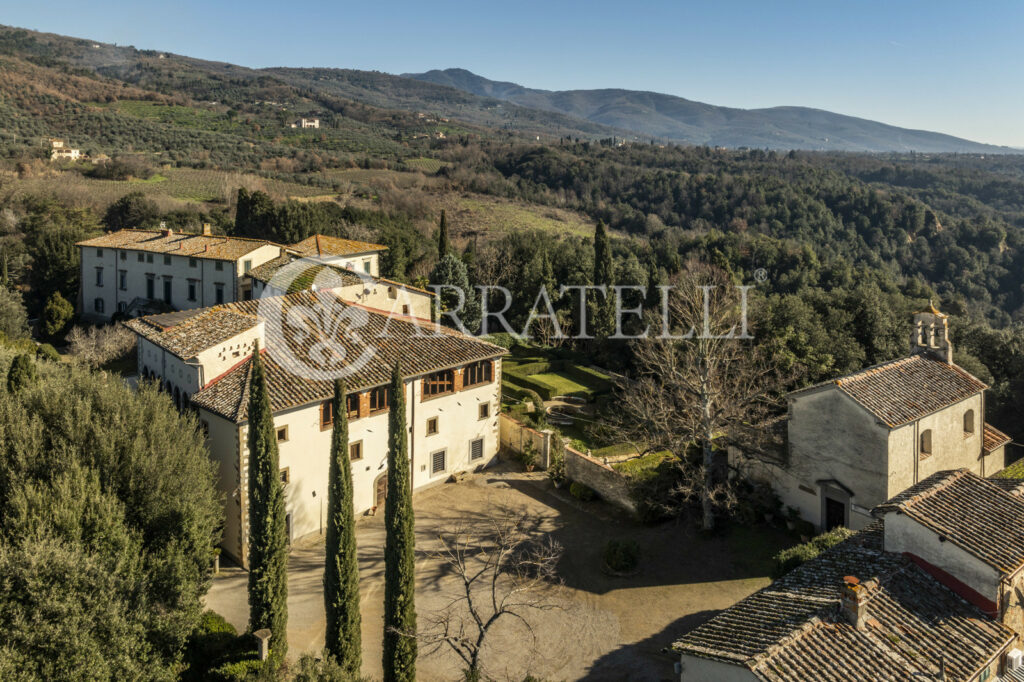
{"type": "Point", "coordinates": [544, 460]}
{"type": "Point", "coordinates": [264, 641]}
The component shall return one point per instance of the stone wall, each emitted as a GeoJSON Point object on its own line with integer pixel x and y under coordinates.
{"type": "Point", "coordinates": [601, 478]}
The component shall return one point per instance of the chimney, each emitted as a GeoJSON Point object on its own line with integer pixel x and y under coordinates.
{"type": "Point", "coordinates": [931, 334]}
{"type": "Point", "coordinates": [166, 230]}
{"type": "Point", "coordinates": [207, 229]}
{"type": "Point", "coordinates": [853, 602]}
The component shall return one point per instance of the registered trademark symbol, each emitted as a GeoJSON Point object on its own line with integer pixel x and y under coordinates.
{"type": "Point", "coordinates": [760, 275]}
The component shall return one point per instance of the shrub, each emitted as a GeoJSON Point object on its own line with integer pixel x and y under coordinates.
{"type": "Point", "coordinates": [21, 374]}
{"type": "Point", "coordinates": [320, 669]}
{"type": "Point", "coordinates": [212, 643]}
{"type": "Point", "coordinates": [788, 559]}
{"type": "Point", "coordinates": [96, 346]}
{"type": "Point", "coordinates": [556, 467]}
{"type": "Point", "coordinates": [57, 314]}
{"type": "Point", "coordinates": [528, 456]}
{"type": "Point", "coordinates": [47, 352]}
{"type": "Point", "coordinates": [581, 492]}
{"type": "Point", "coordinates": [246, 670]}
{"type": "Point", "coordinates": [621, 556]}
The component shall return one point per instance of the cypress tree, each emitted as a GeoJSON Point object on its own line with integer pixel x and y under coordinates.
{"type": "Point", "coordinates": [399, 562]}
{"type": "Point", "coordinates": [442, 237]}
{"type": "Point", "coordinates": [22, 373]}
{"type": "Point", "coordinates": [604, 306]}
{"type": "Point", "coordinates": [268, 540]}
{"type": "Point", "coordinates": [341, 573]}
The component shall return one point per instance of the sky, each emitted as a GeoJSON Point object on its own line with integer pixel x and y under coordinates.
{"type": "Point", "coordinates": [951, 67]}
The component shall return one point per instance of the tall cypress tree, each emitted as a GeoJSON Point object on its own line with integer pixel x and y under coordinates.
{"type": "Point", "coordinates": [399, 562]}
{"type": "Point", "coordinates": [341, 573]}
{"type": "Point", "coordinates": [442, 237]}
{"type": "Point", "coordinates": [268, 539]}
{"type": "Point", "coordinates": [604, 306]}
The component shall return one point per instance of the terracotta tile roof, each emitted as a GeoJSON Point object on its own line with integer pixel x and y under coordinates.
{"type": "Point", "coordinates": [297, 274]}
{"type": "Point", "coordinates": [993, 438]}
{"type": "Point", "coordinates": [320, 328]}
{"type": "Point", "coordinates": [322, 245]}
{"type": "Point", "coordinates": [972, 512]}
{"type": "Point", "coordinates": [793, 630]}
{"type": "Point", "coordinates": [187, 332]}
{"type": "Point", "coordinates": [901, 391]}
{"type": "Point", "coordinates": [178, 243]}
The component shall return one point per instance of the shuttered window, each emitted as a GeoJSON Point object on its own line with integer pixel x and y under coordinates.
{"type": "Point", "coordinates": [437, 462]}
{"type": "Point", "coordinates": [476, 449]}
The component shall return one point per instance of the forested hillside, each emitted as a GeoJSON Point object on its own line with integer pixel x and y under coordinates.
{"type": "Point", "coordinates": [850, 244]}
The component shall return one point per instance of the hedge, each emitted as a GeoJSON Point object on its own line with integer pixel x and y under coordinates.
{"type": "Point", "coordinates": [788, 559]}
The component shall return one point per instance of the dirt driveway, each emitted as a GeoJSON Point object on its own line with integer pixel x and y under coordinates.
{"type": "Point", "coordinates": [607, 629]}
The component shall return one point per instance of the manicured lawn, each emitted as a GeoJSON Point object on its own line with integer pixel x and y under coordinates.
{"type": "Point", "coordinates": [561, 385]}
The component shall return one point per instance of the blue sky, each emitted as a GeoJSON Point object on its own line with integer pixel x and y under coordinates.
{"type": "Point", "coordinates": [956, 68]}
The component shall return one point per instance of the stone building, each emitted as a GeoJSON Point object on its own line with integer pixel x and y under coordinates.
{"type": "Point", "coordinates": [203, 358]}
{"type": "Point", "coordinates": [856, 441]}
{"type": "Point", "coordinates": [931, 590]}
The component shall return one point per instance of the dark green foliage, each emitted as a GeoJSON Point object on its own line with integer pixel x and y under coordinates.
{"type": "Point", "coordinates": [51, 232]}
{"type": "Point", "coordinates": [47, 352]}
{"type": "Point", "coordinates": [21, 374]}
{"type": "Point", "coordinates": [399, 658]}
{"type": "Point", "coordinates": [443, 247]}
{"type": "Point", "coordinates": [581, 492]}
{"type": "Point", "coordinates": [132, 211]}
{"type": "Point", "coordinates": [57, 315]}
{"type": "Point", "coordinates": [450, 272]}
{"type": "Point", "coordinates": [13, 317]}
{"type": "Point", "coordinates": [621, 556]}
{"type": "Point", "coordinates": [106, 539]}
{"type": "Point", "coordinates": [341, 574]}
{"type": "Point", "coordinates": [790, 558]}
{"type": "Point", "coordinates": [214, 641]}
{"type": "Point", "coordinates": [323, 669]}
{"type": "Point", "coordinates": [268, 541]}
{"type": "Point", "coordinates": [123, 168]}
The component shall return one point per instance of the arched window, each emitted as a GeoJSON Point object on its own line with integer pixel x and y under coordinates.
{"type": "Point", "coordinates": [926, 443]}
{"type": "Point", "coordinates": [968, 423]}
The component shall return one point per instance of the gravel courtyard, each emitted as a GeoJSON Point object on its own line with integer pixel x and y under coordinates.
{"type": "Point", "coordinates": [606, 628]}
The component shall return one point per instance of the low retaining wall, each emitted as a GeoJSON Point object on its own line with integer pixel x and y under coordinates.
{"type": "Point", "coordinates": [601, 478]}
{"type": "Point", "coordinates": [515, 436]}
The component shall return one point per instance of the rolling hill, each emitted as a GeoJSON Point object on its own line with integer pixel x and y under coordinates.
{"type": "Point", "coordinates": [665, 116]}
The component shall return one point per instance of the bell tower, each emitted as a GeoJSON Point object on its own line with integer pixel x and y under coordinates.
{"type": "Point", "coordinates": [931, 334]}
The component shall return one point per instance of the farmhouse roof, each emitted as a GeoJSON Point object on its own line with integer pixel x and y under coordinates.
{"type": "Point", "coordinates": [322, 245]}
{"type": "Point", "coordinates": [178, 243]}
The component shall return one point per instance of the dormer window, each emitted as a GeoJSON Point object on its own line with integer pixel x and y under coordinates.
{"type": "Point", "coordinates": [926, 443]}
{"type": "Point", "coordinates": [968, 423]}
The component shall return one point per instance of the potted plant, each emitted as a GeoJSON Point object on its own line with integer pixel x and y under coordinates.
{"type": "Point", "coordinates": [529, 457]}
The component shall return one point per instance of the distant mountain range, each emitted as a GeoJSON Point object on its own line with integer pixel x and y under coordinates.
{"type": "Point", "coordinates": [656, 115]}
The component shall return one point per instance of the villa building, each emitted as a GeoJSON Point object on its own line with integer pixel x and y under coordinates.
{"type": "Point", "coordinates": [204, 359]}
{"type": "Point", "coordinates": [856, 441]}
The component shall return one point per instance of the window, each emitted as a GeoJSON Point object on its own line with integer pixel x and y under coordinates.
{"type": "Point", "coordinates": [122, 280]}
{"type": "Point", "coordinates": [405, 310]}
{"type": "Point", "coordinates": [246, 265]}
{"type": "Point", "coordinates": [99, 253]}
{"type": "Point", "coordinates": [218, 290]}
{"type": "Point", "coordinates": [192, 263]}
{"type": "Point", "coordinates": [355, 451]}
{"type": "Point", "coordinates": [326, 414]}
{"type": "Point", "coordinates": [432, 427]}
{"type": "Point", "coordinates": [439, 383]}
{"type": "Point", "coordinates": [476, 449]}
{"type": "Point", "coordinates": [477, 373]}
{"type": "Point", "coordinates": [352, 406]}
{"type": "Point", "coordinates": [124, 255]}
{"type": "Point", "coordinates": [379, 399]}
{"type": "Point", "coordinates": [150, 286]}
{"type": "Point", "coordinates": [122, 307]}
{"type": "Point", "coordinates": [192, 286]}
{"type": "Point", "coordinates": [149, 258]}
{"type": "Point", "coordinates": [437, 462]}
{"type": "Point", "coordinates": [97, 305]}
{"type": "Point", "coordinates": [392, 292]}
{"type": "Point", "coordinates": [926, 443]}
{"type": "Point", "coordinates": [167, 289]}
{"type": "Point", "coordinates": [167, 259]}
{"type": "Point", "coordinates": [141, 257]}
{"type": "Point", "coordinates": [366, 266]}
{"type": "Point", "coordinates": [968, 423]}
{"type": "Point", "coordinates": [218, 266]}
{"type": "Point", "coordinates": [286, 475]}
{"type": "Point", "coordinates": [282, 434]}
{"type": "Point", "coordinates": [99, 277]}
{"type": "Point", "coordinates": [484, 411]}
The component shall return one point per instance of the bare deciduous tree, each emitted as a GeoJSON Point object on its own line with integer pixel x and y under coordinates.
{"type": "Point", "coordinates": [96, 346]}
{"type": "Point", "coordinates": [706, 385]}
{"type": "Point", "coordinates": [505, 568]}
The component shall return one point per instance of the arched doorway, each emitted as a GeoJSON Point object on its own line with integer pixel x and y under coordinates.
{"type": "Point", "coordinates": [380, 491]}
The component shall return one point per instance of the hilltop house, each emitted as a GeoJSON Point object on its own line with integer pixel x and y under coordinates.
{"type": "Point", "coordinates": [203, 358]}
{"type": "Point", "coordinates": [133, 272]}
{"type": "Point", "coordinates": [856, 441]}
{"type": "Point", "coordinates": [59, 152]}
{"type": "Point", "coordinates": [931, 590]}
{"type": "Point", "coordinates": [306, 123]}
